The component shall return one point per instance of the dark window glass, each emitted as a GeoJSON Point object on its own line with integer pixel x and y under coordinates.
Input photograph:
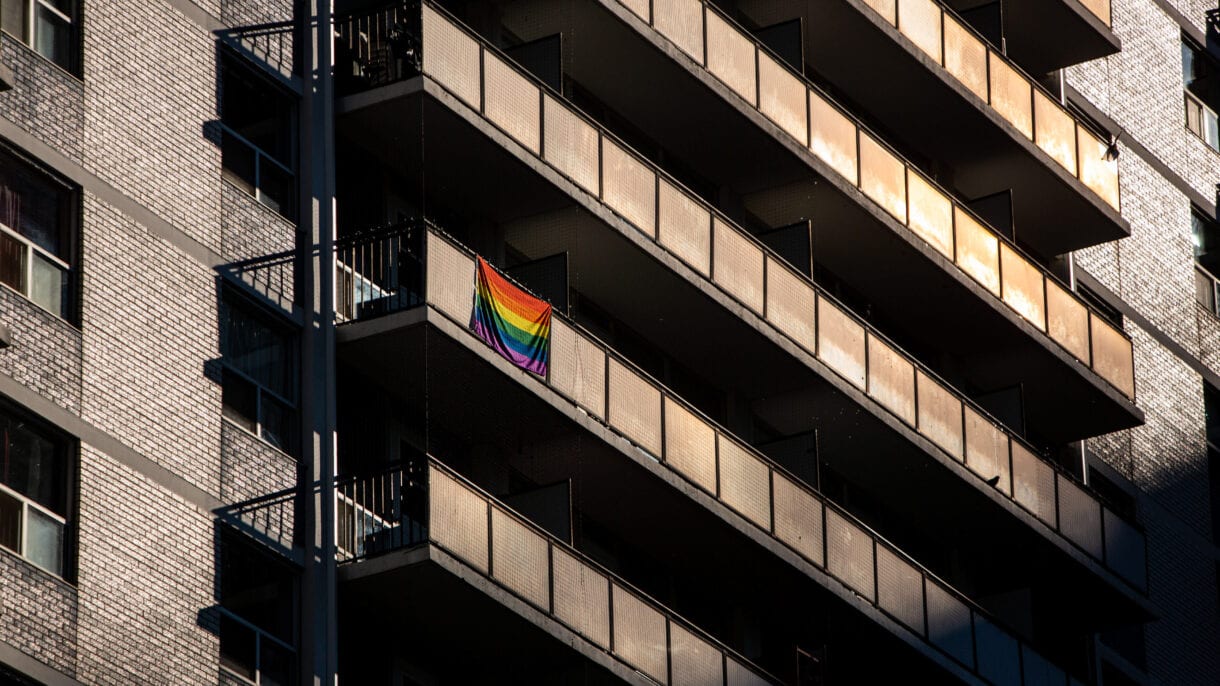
{"type": "Point", "coordinates": [1205, 236]}
{"type": "Point", "coordinates": [54, 36]}
{"type": "Point", "coordinates": [275, 664]}
{"type": "Point", "coordinates": [10, 522]}
{"type": "Point", "coordinates": [13, 18]}
{"type": "Point", "coordinates": [33, 464]}
{"type": "Point", "coordinates": [1211, 412]}
{"type": "Point", "coordinates": [276, 187]}
{"type": "Point", "coordinates": [238, 647]}
{"type": "Point", "coordinates": [240, 400]}
{"type": "Point", "coordinates": [257, 588]}
{"type": "Point", "coordinates": [237, 158]}
{"type": "Point", "coordinates": [35, 205]}
{"type": "Point", "coordinates": [12, 273]}
{"type": "Point", "coordinates": [256, 110]}
{"type": "Point", "coordinates": [277, 423]}
{"type": "Point", "coordinates": [258, 349]}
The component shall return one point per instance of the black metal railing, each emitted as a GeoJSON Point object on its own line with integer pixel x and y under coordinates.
{"type": "Point", "coordinates": [273, 276]}
{"type": "Point", "coordinates": [269, 519]}
{"type": "Point", "coordinates": [377, 48]}
{"type": "Point", "coordinates": [379, 271]}
{"type": "Point", "coordinates": [382, 512]}
{"type": "Point", "coordinates": [273, 43]}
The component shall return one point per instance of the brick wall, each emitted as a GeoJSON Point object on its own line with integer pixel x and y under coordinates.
{"type": "Point", "coordinates": [146, 581]}
{"type": "Point", "coordinates": [45, 354]}
{"type": "Point", "coordinates": [249, 467]}
{"type": "Point", "coordinates": [1141, 89]}
{"type": "Point", "coordinates": [37, 613]}
{"type": "Point", "coordinates": [150, 346]}
{"type": "Point", "coordinates": [250, 229]}
{"type": "Point", "coordinates": [45, 100]}
{"type": "Point", "coordinates": [150, 99]}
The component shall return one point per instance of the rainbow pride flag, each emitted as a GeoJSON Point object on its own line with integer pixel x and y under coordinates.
{"type": "Point", "coordinates": [516, 324]}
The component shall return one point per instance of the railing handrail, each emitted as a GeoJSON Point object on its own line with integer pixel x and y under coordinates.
{"type": "Point", "coordinates": [613, 577]}
{"type": "Point", "coordinates": [254, 503]}
{"type": "Point", "coordinates": [283, 26]}
{"type": "Point", "coordinates": [771, 464]}
{"type": "Point", "coordinates": [881, 140]}
{"type": "Point", "coordinates": [822, 292]}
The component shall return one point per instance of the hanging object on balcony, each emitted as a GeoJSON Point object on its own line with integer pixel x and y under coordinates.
{"type": "Point", "coordinates": [515, 323]}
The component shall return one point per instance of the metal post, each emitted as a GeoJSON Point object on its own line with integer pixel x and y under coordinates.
{"type": "Point", "coordinates": [315, 293]}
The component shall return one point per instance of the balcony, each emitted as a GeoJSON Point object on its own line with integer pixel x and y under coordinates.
{"type": "Point", "coordinates": [911, 226]}
{"type": "Point", "coordinates": [420, 525]}
{"type": "Point", "coordinates": [945, 95]}
{"type": "Point", "coordinates": [553, 140]}
{"type": "Point", "coordinates": [760, 290]}
{"type": "Point", "coordinates": [588, 380]}
{"type": "Point", "coordinates": [1045, 35]}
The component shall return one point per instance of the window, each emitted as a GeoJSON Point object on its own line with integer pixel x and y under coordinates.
{"type": "Point", "coordinates": [259, 373]}
{"type": "Point", "coordinates": [1211, 413]}
{"type": "Point", "coordinates": [257, 620]}
{"type": "Point", "coordinates": [37, 216]}
{"type": "Point", "coordinates": [257, 138]}
{"type": "Point", "coordinates": [1201, 92]}
{"type": "Point", "coordinates": [1205, 236]}
{"type": "Point", "coordinates": [50, 27]}
{"type": "Point", "coordinates": [34, 497]}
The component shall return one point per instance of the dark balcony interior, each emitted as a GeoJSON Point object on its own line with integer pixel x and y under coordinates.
{"type": "Point", "coordinates": [922, 110]}
{"type": "Point", "coordinates": [1043, 35]}
{"type": "Point", "coordinates": [380, 138]}
{"type": "Point", "coordinates": [762, 185]}
{"type": "Point", "coordinates": [420, 620]}
{"type": "Point", "coordinates": [663, 542]}
{"type": "Point", "coordinates": [505, 437]}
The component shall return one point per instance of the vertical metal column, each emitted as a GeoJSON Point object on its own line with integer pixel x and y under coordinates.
{"type": "Point", "coordinates": [315, 292]}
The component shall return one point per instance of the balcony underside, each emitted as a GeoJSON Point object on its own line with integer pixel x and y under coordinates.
{"type": "Point", "coordinates": [451, 623]}
{"type": "Point", "coordinates": [918, 107]}
{"type": "Point", "coordinates": [1045, 35]}
{"type": "Point", "coordinates": [433, 594]}
{"type": "Point", "coordinates": [968, 334]}
{"type": "Point", "coordinates": [471, 400]}
{"type": "Point", "coordinates": [497, 426]}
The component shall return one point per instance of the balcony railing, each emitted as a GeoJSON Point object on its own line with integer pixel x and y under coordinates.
{"type": "Point", "coordinates": [581, 371]}
{"type": "Point", "coordinates": [433, 504]}
{"type": "Point", "coordinates": [684, 225]}
{"type": "Point", "coordinates": [734, 261]}
{"type": "Point", "coordinates": [272, 44]}
{"type": "Point", "coordinates": [378, 272]}
{"type": "Point", "coordinates": [268, 519]}
{"type": "Point", "coordinates": [613, 391]}
{"type": "Point", "coordinates": [1202, 120]}
{"type": "Point", "coordinates": [272, 276]}
{"type": "Point", "coordinates": [1016, 96]}
{"type": "Point", "coordinates": [812, 118]}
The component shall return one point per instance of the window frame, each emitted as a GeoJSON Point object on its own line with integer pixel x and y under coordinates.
{"type": "Point", "coordinates": [1206, 119]}
{"type": "Point", "coordinates": [30, 32]}
{"type": "Point", "coordinates": [260, 635]}
{"type": "Point", "coordinates": [67, 487]}
{"type": "Point", "coordinates": [231, 60]}
{"type": "Point", "coordinates": [1207, 284]}
{"type": "Point", "coordinates": [70, 236]}
{"type": "Point", "coordinates": [230, 300]}
{"type": "Point", "coordinates": [23, 536]}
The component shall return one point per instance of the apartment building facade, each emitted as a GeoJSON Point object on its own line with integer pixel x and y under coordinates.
{"type": "Point", "coordinates": [591, 341]}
